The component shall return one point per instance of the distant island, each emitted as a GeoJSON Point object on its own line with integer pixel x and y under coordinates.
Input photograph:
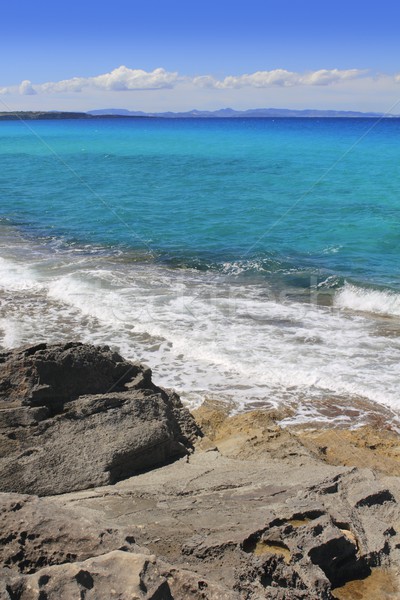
{"type": "Point", "coordinates": [39, 115]}
{"type": "Point", "coordinates": [223, 113]}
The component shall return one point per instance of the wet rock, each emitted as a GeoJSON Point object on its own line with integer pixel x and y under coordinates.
{"type": "Point", "coordinates": [248, 435]}
{"type": "Point", "coordinates": [377, 447]}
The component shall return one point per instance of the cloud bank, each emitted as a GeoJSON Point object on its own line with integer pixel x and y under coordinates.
{"type": "Point", "coordinates": [280, 77]}
{"type": "Point", "coordinates": [126, 79]}
{"type": "Point", "coordinates": [120, 79]}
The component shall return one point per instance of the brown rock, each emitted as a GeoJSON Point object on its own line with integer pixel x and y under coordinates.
{"type": "Point", "coordinates": [247, 435]}
{"type": "Point", "coordinates": [376, 448]}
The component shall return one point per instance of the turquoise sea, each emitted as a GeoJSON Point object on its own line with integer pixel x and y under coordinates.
{"type": "Point", "coordinates": [251, 260]}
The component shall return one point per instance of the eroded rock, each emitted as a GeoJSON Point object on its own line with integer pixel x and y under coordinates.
{"type": "Point", "coordinates": [50, 375]}
{"type": "Point", "coordinates": [117, 574]}
{"type": "Point", "coordinates": [37, 532]}
{"type": "Point", "coordinates": [75, 416]}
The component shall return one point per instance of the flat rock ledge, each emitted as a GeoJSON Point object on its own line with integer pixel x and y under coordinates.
{"type": "Point", "coordinates": [74, 416]}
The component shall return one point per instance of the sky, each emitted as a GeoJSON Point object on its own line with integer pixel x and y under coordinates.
{"type": "Point", "coordinates": [175, 55]}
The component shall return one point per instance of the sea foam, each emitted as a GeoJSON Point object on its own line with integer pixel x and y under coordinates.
{"type": "Point", "coordinates": [15, 276]}
{"type": "Point", "coordinates": [201, 335]}
{"type": "Point", "coordinates": [380, 302]}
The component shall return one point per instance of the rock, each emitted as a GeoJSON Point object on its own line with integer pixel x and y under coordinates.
{"type": "Point", "coordinates": [50, 375]}
{"type": "Point", "coordinates": [251, 514]}
{"type": "Point", "coordinates": [78, 416]}
{"type": "Point", "coordinates": [288, 528]}
{"type": "Point", "coordinates": [37, 532]}
{"type": "Point", "coordinates": [382, 583]}
{"type": "Point", "coordinates": [49, 551]}
{"type": "Point", "coordinates": [185, 585]}
{"type": "Point", "coordinates": [311, 554]}
{"type": "Point", "coordinates": [375, 447]}
{"type": "Point", "coordinates": [248, 435]}
{"type": "Point", "coordinates": [115, 575]}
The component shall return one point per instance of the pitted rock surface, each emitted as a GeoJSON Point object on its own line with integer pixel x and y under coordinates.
{"type": "Point", "coordinates": [75, 416]}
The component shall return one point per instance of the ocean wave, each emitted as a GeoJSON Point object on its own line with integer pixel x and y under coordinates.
{"type": "Point", "coordinates": [16, 277]}
{"type": "Point", "coordinates": [201, 335]}
{"type": "Point", "coordinates": [253, 265]}
{"type": "Point", "coordinates": [331, 282]}
{"type": "Point", "coordinates": [381, 302]}
{"type": "Point", "coordinates": [332, 249]}
{"type": "Point", "coordinates": [256, 265]}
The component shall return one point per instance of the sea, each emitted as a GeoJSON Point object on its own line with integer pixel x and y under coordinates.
{"type": "Point", "coordinates": [253, 262]}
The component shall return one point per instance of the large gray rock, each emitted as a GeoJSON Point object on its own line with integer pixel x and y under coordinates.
{"type": "Point", "coordinates": [50, 375]}
{"type": "Point", "coordinates": [75, 416]}
{"type": "Point", "coordinates": [284, 529]}
{"type": "Point", "coordinates": [267, 520]}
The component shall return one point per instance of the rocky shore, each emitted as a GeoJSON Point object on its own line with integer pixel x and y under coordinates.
{"type": "Point", "coordinates": [111, 489]}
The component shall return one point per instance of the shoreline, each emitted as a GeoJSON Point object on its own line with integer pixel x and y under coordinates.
{"type": "Point", "coordinates": [375, 445]}
{"type": "Point", "coordinates": [104, 299]}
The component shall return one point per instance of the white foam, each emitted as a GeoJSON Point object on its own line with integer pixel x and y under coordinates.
{"type": "Point", "coordinates": [274, 348]}
{"type": "Point", "coordinates": [12, 335]}
{"type": "Point", "coordinates": [87, 295]}
{"type": "Point", "coordinates": [202, 335]}
{"type": "Point", "coordinates": [365, 300]}
{"type": "Point", "coordinates": [15, 276]}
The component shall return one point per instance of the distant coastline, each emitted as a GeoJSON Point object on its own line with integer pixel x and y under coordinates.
{"type": "Point", "coordinates": [51, 116]}
{"type": "Point", "coordinates": [224, 113]}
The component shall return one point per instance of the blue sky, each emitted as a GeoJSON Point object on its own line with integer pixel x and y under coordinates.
{"type": "Point", "coordinates": [356, 42]}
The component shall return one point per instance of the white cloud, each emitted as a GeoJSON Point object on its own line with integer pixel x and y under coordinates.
{"type": "Point", "coordinates": [126, 79]}
{"type": "Point", "coordinates": [26, 89]}
{"type": "Point", "coordinates": [330, 76]}
{"type": "Point", "coordinates": [135, 79]}
{"type": "Point", "coordinates": [76, 84]}
{"type": "Point", "coordinates": [280, 77]}
{"type": "Point", "coordinates": [120, 79]}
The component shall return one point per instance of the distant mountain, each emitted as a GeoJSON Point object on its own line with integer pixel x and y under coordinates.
{"type": "Point", "coordinates": [230, 113]}
{"type": "Point", "coordinates": [118, 112]}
